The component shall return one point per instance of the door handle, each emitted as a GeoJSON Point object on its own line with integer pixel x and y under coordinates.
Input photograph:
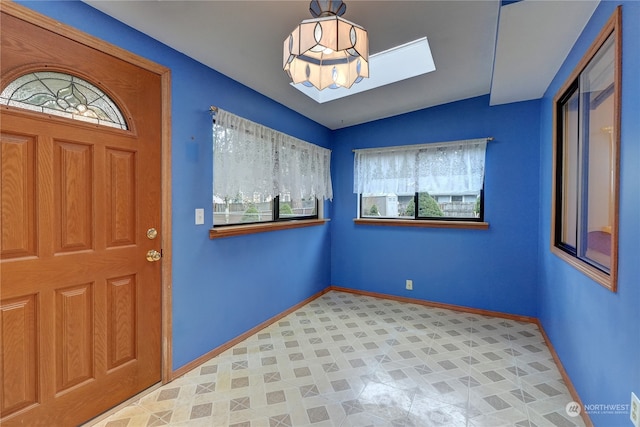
{"type": "Point", "coordinates": [153, 255]}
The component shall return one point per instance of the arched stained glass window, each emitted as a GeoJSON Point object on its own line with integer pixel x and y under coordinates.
{"type": "Point", "coordinates": [63, 95]}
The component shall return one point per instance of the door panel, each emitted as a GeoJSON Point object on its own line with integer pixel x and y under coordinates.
{"type": "Point", "coordinates": [18, 212]}
{"type": "Point", "coordinates": [73, 193]}
{"type": "Point", "coordinates": [19, 358]}
{"type": "Point", "coordinates": [120, 188]}
{"type": "Point", "coordinates": [80, 304]}
{"type": "Point", "coordinates": [74, 332]}
{"type": "Point", "coordinates": [121, 320]}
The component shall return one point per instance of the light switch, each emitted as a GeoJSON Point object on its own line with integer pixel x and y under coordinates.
{"type": "Point", "coordinates": [199, 216]}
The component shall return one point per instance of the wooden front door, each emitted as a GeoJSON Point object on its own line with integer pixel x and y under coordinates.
{"type": "Point", "coordinates": [80, 309]}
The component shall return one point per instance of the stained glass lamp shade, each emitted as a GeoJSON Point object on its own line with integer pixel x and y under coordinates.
{"type": "Point", "coordinates": [327, 51]}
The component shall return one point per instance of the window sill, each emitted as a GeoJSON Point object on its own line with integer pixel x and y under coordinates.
{"type": "Point", "coordinates": [600, 277]}
{"type": "Point", "coordinates": [474, 225]}
{"type": "Point", "coordinates": [240, 230]}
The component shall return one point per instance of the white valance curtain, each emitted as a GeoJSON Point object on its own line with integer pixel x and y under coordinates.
{"type": "Point", "coordinates": [441, 168]}
{"type": "Point", "coordinates": [250, 159]}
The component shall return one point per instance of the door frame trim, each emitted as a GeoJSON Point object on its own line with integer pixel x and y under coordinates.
{"type": "Point", "coordinates": [49, 24]}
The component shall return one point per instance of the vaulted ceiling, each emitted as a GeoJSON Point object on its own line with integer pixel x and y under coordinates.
{"type": "Point", "coordinates": [510, 50]}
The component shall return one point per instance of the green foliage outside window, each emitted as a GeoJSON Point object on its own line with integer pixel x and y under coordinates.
{"type": "Point", "coordinates": [251, 214]}
{"type": "Point", "coordinates": [285, 209]}
{"type": "Point", "coordinates": [427, 206]}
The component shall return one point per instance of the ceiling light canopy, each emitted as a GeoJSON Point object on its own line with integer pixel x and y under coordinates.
{"type": "Point", "coordinates": [327, 51]}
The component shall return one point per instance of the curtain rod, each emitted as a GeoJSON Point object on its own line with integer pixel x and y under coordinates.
{"type": "Point", "coordinates": [214, 109]}
{"type": "Point", "coordinates": [412, 146]}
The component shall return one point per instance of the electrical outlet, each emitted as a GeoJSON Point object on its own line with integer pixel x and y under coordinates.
{"type": "Point", "coordinates": [409, 285]}
{"type": "Point", "coordinates": [199, 216]}
{"type": "Point", "coordinates": [634, 413]}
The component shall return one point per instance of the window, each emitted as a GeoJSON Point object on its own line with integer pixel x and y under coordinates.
{"type": "Point", "coordinates": [263, 176]}
{"type": "Point", "coordinates": [585, 202]}
{"type": "Point", "coordinates": [63, 95]}
{"type": "Point", "coordinates": [242, 211]}
{"type": "Point", "coordinates": [445, 181]}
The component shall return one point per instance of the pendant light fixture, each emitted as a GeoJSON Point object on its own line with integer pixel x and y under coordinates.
{"type": "Point", "coordinates": [327, 51]}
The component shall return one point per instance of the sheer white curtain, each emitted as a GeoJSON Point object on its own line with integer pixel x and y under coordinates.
{"type": "Point", "coordinates": [250, 159]}
{"type": "Point", "coordinates": [441, 168]}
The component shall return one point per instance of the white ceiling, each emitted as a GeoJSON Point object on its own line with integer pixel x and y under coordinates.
{"type": "Point", "coordinates": [479, 47]}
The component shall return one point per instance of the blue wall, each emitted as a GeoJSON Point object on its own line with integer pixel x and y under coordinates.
{"type": "Point", "coordinates": [595, 332]}
{"type": "Point", "coordinates": [224, 287]}
{"type": "Point", "coordinates": [494, 269]}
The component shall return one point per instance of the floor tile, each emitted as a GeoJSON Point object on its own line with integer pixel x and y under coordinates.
{"type": "Point", "coordinates": [347, 360]}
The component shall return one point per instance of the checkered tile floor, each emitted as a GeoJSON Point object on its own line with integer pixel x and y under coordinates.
{"type": "Point", "coordinates": [348, 360]}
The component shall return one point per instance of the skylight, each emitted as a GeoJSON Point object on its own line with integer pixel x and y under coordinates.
{"type": "Point", "coordinates": [393, 65]}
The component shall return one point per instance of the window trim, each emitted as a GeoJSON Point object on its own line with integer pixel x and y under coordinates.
{"type": "Point", "coordinates": [607, 280]}
{"type": "Point", "coordinates": [423, 223]}
{"type": "Point", "coordinates": [261, 227]}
